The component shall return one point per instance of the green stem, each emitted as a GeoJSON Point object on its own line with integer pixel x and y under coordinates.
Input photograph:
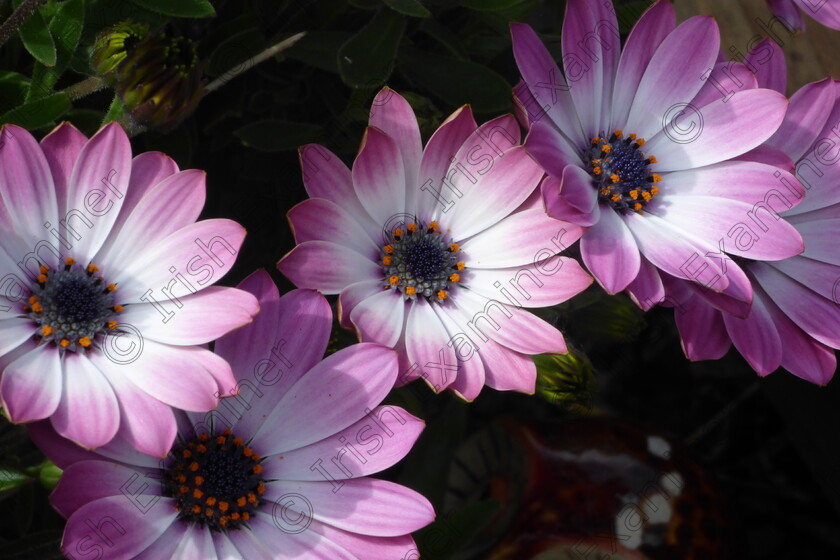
{"type": "Point", "coordinates": [14, 21]}
{"type": "Point", "coordinates": [85, 87]}
{"type": "Point", "coordinates": [251, 62]}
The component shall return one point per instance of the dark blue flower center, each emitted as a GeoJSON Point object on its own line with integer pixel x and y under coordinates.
{"type": "Point", "coordinates": [621, 172]}
{"type": "Point", "coordinates": [72, 306]}
{"type": "Point", "coordinates": [418, 261]}
{"type": "Point", "coordinates": [216, 481]}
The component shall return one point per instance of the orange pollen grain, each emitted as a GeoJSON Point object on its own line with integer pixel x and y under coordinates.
{"type": "Point", "coordinates": [389, 249]}
{"type": "Point", "coordinates": [32, 299]}
{"type": "Point", "coordinates": [596, 170]}
{"type": "Point", "coordinates": [208, 512]}
{"type": "Point", "coordinates": [112, 325]}
{"type": "Point", "coordinates": [618, 133]}
{"type": "Point", "coordinates": [118, 308]}
{"type": "Point", "coordinates": [459, 265]}
{"type": "Point", "coordinates": [221, 440]}
{"type": "Point", "coordinates": [607, 148]}
{"type": "Point", "coordinates": [247, 451]}
{"type": "Point", "coordinates": [223, 506]}
{"type": "Point", "coordinates": [37, 307]}
{"type": "Point", "coordinates": [246, 516]}
{"type": "Point", "coordinates": [261, 488]}
{"type": "Point", "coordinates": [184, 489]}
{"type": "Point", "coordinates": [240, 502]}
{"type": "Point", "coordinates": [398, 232]}
{"type": "Point", "coordinates": [69, 261]}
{"type": "Point", "coordinates": [394, 280]}
{"type": "Point", "coordinates": [647, 196]}
{"type": "Point", "coordinates": [237, 441]}
{"type": "Point", "coordinates": [196, 509]}
{"type": "Point", "coordinates": [386, 260]}
{"type": "Point", "coordinates": [455, 277]}
{"type": "Point", "coordinates": [201, 448]}
{"type": "Point", "coordinates": [210, 501]}
{"type": "Point", "coordinates": [652, 159]}
{"type": "Point", "coordinates": [112, 287]}
{"type": "Point", "coordinates": [197, 493]}
{"type": "Point", "coordinates": [616, 197]}
{"type": "Point", "coordinates": [640, 142]}
{"type": "Point", "coordinates": [433, 226]}
{"type": "Point", "coordinates": [252, 498]}
{"type": "Point", "coordinates": [411, 227]}
{"type": "Point", "coordinates": [199, 480]}
{"type": "Point", "coordinates": [194, 466]}
{"type": "Point", "coordinates": [410, 290]}
{"type": "Point", "coordinates": [654, 191]}
{"type": "Point", "coordinates": [42, 278]}
{"type": "Point", "coordinates": [46, 330]}
{"type": "Point", "coordinates": [258, 469]}
{"type": "Point", "coordinates": [615, 178]}
{"type": "Point", "coordinates": [234, 516]}
{"type": "Point", "coordinates": [454, 247]}
{"type": "Point", "coordinates": [43, 269]}
{"type": "Point", "coordinates": [64, 343]}
{"type": "Point", "coordinates": [441, 295]}
{"type": "Point", "coordinates": [85, 341]}
{"type": "Point", "coordinates": [656, 177]}
{"type": "Point", "coordinates": [634, 194]}
{"type": "Point", "coordinates": [92, 268]}
{"type": "Point", "coordinates": [637, 206]}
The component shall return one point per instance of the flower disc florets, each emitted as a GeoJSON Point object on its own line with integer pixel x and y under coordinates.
{"type": "Point", "coordinates": [419, 261]}
{"type": "Point", "coordinates": [72, 306]}
{"type": "Point", "coordinates": [621, 172]}
{"type": "Point", "coordinates": [216, 481]}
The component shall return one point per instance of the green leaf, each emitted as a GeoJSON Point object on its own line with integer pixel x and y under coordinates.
{"type": "Point", "coordinates": [628, 13]}
{"type": "Point", "coordinates": [10, 478]}
{"type": "Point", "coordinates": [115, 111]}
{"type": "Point", "coordinates": [179, 8]}
{"type": "Point", "coordinates": [38, 113]}
{"type": "Point", "coordinates": [66, 29]}
{"type": "Point", "coordinates": [411, 8]}
{"type": "Point", "coordinates": [489, 5]}
{"type": "Point", "coordinates": [457, 81]}
{"type": "Point", "coordinates": [272, 135]}
{"type": "Point", "coordinates": [366, 60]}
{"type": "Point", "coordinates": [37, 39]}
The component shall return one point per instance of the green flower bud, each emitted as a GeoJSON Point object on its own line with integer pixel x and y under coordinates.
{"type": "Point", "coordinates": [114, 45]}
{"type": "Point", "coordinates": [566, 379]}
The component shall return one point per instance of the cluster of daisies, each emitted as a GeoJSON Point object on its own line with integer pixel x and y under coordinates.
{"type": "Point", "coordinates": [690, 181]}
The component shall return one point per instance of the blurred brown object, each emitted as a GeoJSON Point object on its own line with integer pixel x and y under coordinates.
{"type": "Point", "coordinates": [810, 56]}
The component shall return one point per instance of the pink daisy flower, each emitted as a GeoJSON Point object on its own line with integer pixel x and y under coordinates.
{"type": "Point", "coordinates": [435, 251]}
{"type": "Point", "coordinates": [827, 12]}
{"type": "Point", "coordinates": [794, 319]}
{"type": "Point", "coordinates": [638, 146]}
{"type": "Point", "coordinates": [278, 471]}
{"type": "Point", "coordinates": [106, 290]}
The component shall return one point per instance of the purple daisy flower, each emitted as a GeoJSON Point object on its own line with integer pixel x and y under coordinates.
{"type": "Point", "coordinates": [106, 288]}
{"type": "Point", "coordinates": [435, 251]}
{"type": "Point", "coordinates": [278, 471]}
{"type": "Point", "coordinates": [794, 319]}
{"type": "Point", "coordinates": [827, 12]}
{"type": "Point", "coordinates": [678, 201]}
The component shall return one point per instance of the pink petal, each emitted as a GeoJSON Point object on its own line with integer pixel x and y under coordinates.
{"type": "Point", "coordinates": [610, 252]}
{"type": "Point", "coordinates": [383, 436]}
{"type": "Point", "coordinates": [470, 379]}
{"type": "Point", "coordinates": [725, 79]}
{"type": "Point", "coordinates": [809, 111]}
{"type": "Point", "coordinates": [365, 506]}
{"type": "Point", "coordinates": [392, 114]}
{"type": "Point", "coordinates": [201, 253]}
{"type": "Point", "coordinates": [756, 338]}
{"type": "Point", "coordinates": [728, 128]}
{"type": "Point", "coordinates": [61, 148]}
{"type": "Point", "coordinates": [545, 80]}
{"type": "Point", "coordinates": [320, 219]}
{"type": "Point", "coordinates": [352, 295]}
{"type": "Point", "coordinates": [510, 326]}
{"type": "Point", "coordinates": [121, 527]}
{"type": "Point", "coordinates": [88, 413]}
{"type": "Point", "coordinates": [435, 164]}
{"type": "Point", "coordinates": [574, 200]}
{"type": "Point", "coordinates": [519, 239]}
{"type": "Point", "coordinates": [173, 203]}
{"type": "Point", "coordinates": [702, 330]}
{"type": "Point", "coordinates": [591, 49]}
{"type": "Point", "coordinates": [357, 378]}
{"type": "Point", "coordinates": [429, 346]}
{"type": "Point", "coordinates": [673, 75]}
{"type": "Point", "coordinates": [74, 488]}
{"type": "Point", "coordinates": [98, 187]}
{"type": "Point", "coordinates": [551, 149]}
{"type": "Point", "coordinates": [379, 176]}
{"type": "Point", "coordinates": [201, 317]}
{"type": "Point", "coordinates": [379, 318]}
{"type": "Point", "coordinates": [327, 267]}
{"type": "Point", "coordinates": [31, 386]}
{"type": "Point", "coordinates": [548, 282]}
{"type": "Point", "coordinates": [647, 290]}
{"type": "Point", "coordinates": [767, 60]}
{"type": "Point", "coordinates": [508, 183]}
{"type": "Point", "coordinates": [644, 39]}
